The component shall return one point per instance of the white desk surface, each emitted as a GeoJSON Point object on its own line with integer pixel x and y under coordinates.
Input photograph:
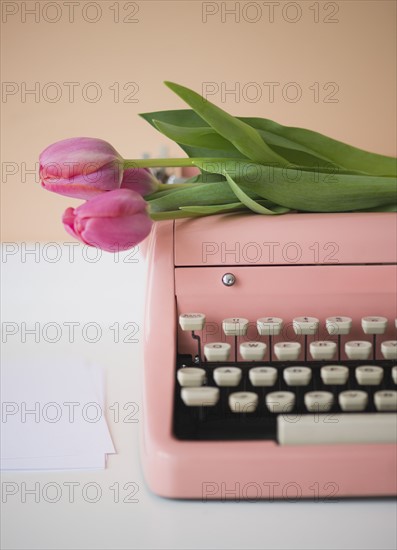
{"type": "Point", "coordinates": [108, 292]}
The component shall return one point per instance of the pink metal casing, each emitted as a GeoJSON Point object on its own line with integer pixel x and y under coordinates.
{"type": "Point", "coordinates": [323, 281]}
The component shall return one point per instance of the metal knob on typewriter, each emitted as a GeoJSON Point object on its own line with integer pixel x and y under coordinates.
{"type": "Point", "coordinates": [228, 279]}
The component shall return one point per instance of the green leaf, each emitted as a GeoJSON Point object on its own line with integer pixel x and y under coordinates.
{"type": "Point", "coordinates": [251, 203]}
{"type": "Point", "coordinates": [174, 188]}
{"type": "Point", "coordinates": [179, 117]}
{"type": "Point", "coordinates": [196, 137]}
{"type": "Point", "coordinates": [201, 136]}
{"type": "Point", "coordinates": [192, 128]}
{"type": "Point", "coordinates": [205, 177]}
{"type": "Point", "coordinates": [332, 150]}
{"type": "Point", "coordinates": [281, 138]}
{"type": "Point", "coordinates": [245, 138]}
{"type": "Point", "coordinates": [208, 194]}
{"type": "Point", "coordinates": [309, 191]}
{"type": "Point", "coordinates": [185, 118]}
{"type": "Point", "coordinates": [206, 137]}
{"type": "Point", "coordinates": [189, 120]}
{"type": "Point", "coordinates": [225, 208]}
{"type": "Point", "coordinates": [216, 209]}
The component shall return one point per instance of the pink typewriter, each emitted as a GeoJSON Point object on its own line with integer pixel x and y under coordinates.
{"type": "Point", "coordinates": [270, 357]}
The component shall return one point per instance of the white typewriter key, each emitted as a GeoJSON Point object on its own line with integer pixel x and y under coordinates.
{"type": "Point", "coordinates": [243, 402]}
{"type": "Point", "coordinates": [334, 374]}
{"type": "Point", "coordinates": [319, 401]}
{"type": "Point", "coordinates": [322, 349]}
{"type": "Point", "coordinates": [305, 325]}
{"type": "Point", "coordinates": [235, 326]}
{"type": "Point", "coordinates": [358, 349]}
{"type": "Point", "coordinates": [192, 321]}
{"type": "Point", "coordinates": [367, 375]}
{"type": "Point", "coordinates": [280, 401]}
{"type": "Point", "coordinates": [386, 400]}
{"type": "Point", "coordinates": [287, 351]}
{"type": "Point", "coordinates": [374, 325]}
{"type": "Point", "coordinates": [217, 351]}
{"type": "Point", "coordinates": [269, 326]}
{"type": "Point", "coordinates": [227, 376]}
{"type": "Point", "coordinates": [253, 351]}
{"type": "Point", "coordinates": [353, 400]}
{"type": "Point", "coordinates": [338, 325]}
{"type": "Point", "coordinates": [389, 349]}
{"type": "Point", "coordinates": [263, 376]}
{"type": "Point", "coordinates": [297, 376]}
{"type": "Point", "coordinates": [200, 397]}
{"type": "Point", "coordinates": [394, 374]}
{"type": "Point", "coordinates": [191, 377]}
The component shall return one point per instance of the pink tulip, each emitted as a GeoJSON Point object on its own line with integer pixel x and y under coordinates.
{"type": "Point", "coordinates": [113, 221]}
{"type": "Point", "coordinates": [140, 180]}
{"type": "Point", "coordinates": [81, 167]}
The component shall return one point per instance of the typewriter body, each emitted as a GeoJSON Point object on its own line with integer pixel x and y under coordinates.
{"type": "Point", "coordinates": [270, 357]}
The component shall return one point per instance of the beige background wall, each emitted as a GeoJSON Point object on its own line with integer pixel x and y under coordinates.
{"type": "Point", "coordinates": [352, 58]}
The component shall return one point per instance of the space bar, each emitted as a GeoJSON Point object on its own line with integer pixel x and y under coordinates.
{"type": "Point", "coordinates": [312, 429]}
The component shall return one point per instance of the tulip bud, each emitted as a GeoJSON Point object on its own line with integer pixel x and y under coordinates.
{"type": "Point", "coordinates": [81, 167]}
{"type": "Point", "coordinates": [140, 180]}
{"type": "Point", "coordinates": [113, 221]}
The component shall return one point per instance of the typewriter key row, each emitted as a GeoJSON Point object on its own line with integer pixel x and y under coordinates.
{"type": "Point", "coordinates": [366, 375]}
{"type": "Point", "coordinates": [289, 351]}
{"type": "Point", "coordinates": [323, 350]}
{"type": "Point", "coordinates": [272, 326]}
{"type": "Point", "coordinates": [284, 401]}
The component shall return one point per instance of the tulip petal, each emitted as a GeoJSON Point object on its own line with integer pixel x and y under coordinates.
{"type": "Point", "coordinates": [68, 220]}
{"type": "Point", "coordinates": [75, 190]}
{"type": "Point", "coordinates": [140, 180]}
{"type": "Point", "coordinates": [120, 202]}
{"type": "Point", "coordinates": [70, 157]}
{"type": "Point", "coordinates": [85, 186]}
{"type": "Point", "coordinates": [116, 234]}
{"type": "Point", "coordinates": [106, 178]}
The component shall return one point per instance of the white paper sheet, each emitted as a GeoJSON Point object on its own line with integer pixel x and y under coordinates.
{"type": "Point", "coordinates": [52, 416]}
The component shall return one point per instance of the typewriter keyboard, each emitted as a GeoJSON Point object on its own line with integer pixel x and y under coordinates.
{"type": "Point", "coordinates": [250, 390]}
